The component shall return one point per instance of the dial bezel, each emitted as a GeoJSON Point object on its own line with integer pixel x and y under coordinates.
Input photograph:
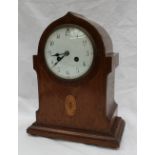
{"type": "Point", "coordinates": [92, 43]}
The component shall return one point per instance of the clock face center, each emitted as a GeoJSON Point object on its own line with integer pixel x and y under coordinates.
{"type": "Point", "coordinates": [69, 52]}
{"type": "Point", "coordinates": [58, 58]}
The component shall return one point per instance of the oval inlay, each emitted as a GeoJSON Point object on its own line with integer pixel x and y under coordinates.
{"type": "Point", "coordinates": [70, 105]}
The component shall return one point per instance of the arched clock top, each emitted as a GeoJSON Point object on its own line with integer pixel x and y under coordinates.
{"type": "Point", "coordinates": [101, 37]}
{"type": "Point", "coordinates": [102, 43]}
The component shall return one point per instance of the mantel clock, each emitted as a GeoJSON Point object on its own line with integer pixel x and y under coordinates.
{"type": "Point", "coordinates": [75, 67]}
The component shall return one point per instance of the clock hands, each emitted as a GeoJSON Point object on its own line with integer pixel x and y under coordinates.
{"type": "Point", "coordinates": [58, 60]}
{"type": "Point", "coordinates": [58, 54]}
{"type": "Point", "coordinates": [66, 53]}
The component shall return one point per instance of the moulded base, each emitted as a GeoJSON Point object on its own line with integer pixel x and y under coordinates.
{"type": "Point", "coordinates": [105, 140]}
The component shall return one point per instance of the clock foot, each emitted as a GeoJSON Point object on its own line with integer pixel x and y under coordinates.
{"type": "Point", "coordinates": [111, 141]}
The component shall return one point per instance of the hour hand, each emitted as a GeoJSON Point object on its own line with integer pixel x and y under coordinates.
{"type": "Point", "coordinates": [56, 54]}
{"type": "Point", "coordinates": [66, 53]}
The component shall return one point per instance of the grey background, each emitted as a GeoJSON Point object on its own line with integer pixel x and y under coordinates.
{"type": "Point", "coordinates": [119, 18]}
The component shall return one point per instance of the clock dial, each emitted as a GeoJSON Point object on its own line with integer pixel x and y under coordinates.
{"type": "Point", "coordinates": [69, 52]}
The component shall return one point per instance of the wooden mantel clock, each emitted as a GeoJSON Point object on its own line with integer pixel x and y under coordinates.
{"type": "Point", "coordinates": [75, 67]}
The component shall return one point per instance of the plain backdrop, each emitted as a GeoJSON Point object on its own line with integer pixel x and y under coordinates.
{"type": "Point", "coordinates": [118, 17]}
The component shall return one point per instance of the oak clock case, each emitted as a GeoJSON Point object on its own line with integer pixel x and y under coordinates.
{"type": "Point", "coordinates": [75, 68]}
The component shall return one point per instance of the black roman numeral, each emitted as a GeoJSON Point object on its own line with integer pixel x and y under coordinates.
{"type": "Point", "coordinates": [58, 36]}
{"type": "Point", "coordinates": [52, 43]}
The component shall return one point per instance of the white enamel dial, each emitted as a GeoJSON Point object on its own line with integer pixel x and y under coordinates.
{"type": "Point", "coordinates": [69, 52]}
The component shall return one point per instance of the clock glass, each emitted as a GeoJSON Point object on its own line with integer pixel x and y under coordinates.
{"type": "Point", "coordinates": [69, 52]}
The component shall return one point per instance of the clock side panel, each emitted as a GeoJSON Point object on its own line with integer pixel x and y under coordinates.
{"type": "Point", "coordinates": [111, 106]}
{"type": "Point", "coordinates": [89, 111]}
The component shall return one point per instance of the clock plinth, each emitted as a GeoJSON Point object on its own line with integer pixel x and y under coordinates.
{"type": "Point", "coordinates": [111, 140]}
{"type": "Point", "coordinates": [76, 84]}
